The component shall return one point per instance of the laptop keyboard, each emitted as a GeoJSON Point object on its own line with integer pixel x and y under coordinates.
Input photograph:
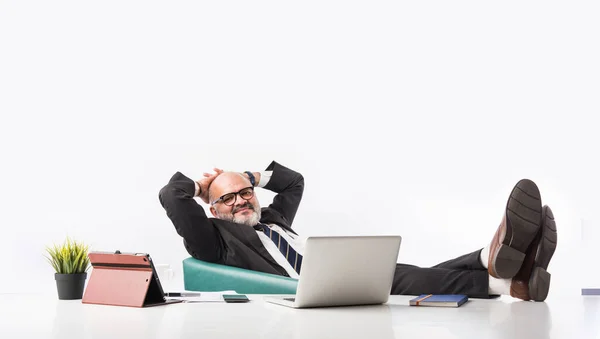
{"type": "Point", "coordinates": [290, 299]}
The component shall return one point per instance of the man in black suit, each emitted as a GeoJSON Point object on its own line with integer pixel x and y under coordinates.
{"type": "Point", "coordinates": [242, 234]}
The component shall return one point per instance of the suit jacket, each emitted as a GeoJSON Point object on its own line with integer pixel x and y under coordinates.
{"type": "Point", "coordinates": [228, 243]}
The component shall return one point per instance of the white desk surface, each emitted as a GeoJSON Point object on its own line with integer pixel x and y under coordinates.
{"type": "Point", "coordinates": [44, 316]}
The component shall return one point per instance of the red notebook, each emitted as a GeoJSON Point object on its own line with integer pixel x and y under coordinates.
{"type": "Point", "coordinates": [124, 279]}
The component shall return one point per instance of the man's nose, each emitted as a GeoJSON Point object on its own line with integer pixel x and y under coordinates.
{"type": "Point", "coordinates": [239, 201]}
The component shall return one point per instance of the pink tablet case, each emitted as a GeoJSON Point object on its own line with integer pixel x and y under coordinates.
{"type": "Point", "coordinates": [123, 279]}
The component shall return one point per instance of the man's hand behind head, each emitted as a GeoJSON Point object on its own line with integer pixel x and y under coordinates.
{"type": "Point", "coordinates": [205, 182]}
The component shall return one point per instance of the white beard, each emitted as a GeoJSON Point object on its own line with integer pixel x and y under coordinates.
{"type": "Point", "coordinates": [252, 220]}
{"type": "Point", "coordinates": [248, 221]}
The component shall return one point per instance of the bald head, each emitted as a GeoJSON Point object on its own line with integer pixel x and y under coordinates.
{"type": "Point", "coordinates": [227, 182]}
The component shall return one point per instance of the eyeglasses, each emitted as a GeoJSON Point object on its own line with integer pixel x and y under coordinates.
{"type": "Point", "coordinates": [230, 198]}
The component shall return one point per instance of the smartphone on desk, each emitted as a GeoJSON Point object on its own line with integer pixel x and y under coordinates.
{"type": "Point", "coordinates": [235, 298]}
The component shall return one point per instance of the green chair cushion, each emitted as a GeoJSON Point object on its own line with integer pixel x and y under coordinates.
{"type": "Point", "coordinates": [200, 275]}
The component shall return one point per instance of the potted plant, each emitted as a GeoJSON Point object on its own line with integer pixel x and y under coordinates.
{"type": "Point", "coordinates": [70, 262]}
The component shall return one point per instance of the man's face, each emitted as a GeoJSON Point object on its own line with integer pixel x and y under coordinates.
{"type": "Point", "coordinates": [230, 191]}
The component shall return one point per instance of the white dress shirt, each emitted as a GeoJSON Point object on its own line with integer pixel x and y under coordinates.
{"type": "Point", "coordinates": [297, 242]}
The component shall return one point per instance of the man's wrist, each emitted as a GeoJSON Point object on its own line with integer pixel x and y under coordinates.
{"type": "Point", "coordinates": [197, 190]}
{"type": "Point", "coordinates": [254, 178]}
{"type": "Point", "coordinates": [251, 177]}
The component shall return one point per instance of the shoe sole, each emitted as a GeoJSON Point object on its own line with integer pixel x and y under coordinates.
{"type": "Point", "coordinates": [539, 282]}
{"type": "Point", "coordinates": [523, 221]}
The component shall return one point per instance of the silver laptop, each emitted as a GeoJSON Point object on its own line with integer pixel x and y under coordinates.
{"type": "Point", "coordinates": [344, 271]}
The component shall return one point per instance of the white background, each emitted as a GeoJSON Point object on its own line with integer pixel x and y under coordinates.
{"type": "Point", "coordinates": [410, 118]}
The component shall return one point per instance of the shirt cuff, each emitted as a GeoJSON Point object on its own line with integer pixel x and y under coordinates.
{"type": "Point", "coordinates": [197, 191]}
{"type": "Point", "coordinates": [264, 178]}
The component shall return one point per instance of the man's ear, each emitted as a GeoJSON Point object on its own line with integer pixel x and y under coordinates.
{"type": "Point", "coordinates": [213, 211]}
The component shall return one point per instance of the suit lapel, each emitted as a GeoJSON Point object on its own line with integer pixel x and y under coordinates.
{"type": "Point", "coordinates": [248, 236]}
{"type": "Point", "coordinates": [270, 216]}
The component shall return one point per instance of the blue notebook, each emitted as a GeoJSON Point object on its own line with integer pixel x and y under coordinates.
{"type": "Point", "coordinates": [440, 300]}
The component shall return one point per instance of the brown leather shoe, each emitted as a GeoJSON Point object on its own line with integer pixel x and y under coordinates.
{"type": "Point", "coordinates": [532, 282]}
{"type": "Point", "coordinates": [520, 224]}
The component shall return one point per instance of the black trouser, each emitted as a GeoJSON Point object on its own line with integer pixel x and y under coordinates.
{"type": "Point", "coordinates": [462, 275]}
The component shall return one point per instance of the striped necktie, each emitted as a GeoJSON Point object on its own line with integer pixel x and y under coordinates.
{"type": "Point", "coordinates": [293, 257]}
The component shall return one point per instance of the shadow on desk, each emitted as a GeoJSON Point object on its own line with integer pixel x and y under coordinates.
{"type": "Point", "coordinates": [74, 320]}
{"type": "Point", "coordinates": [476, 319]}
{"type": "Point", "coordinates": [264, 320]}
{"type": "Point", "coordinates": [334, 322]}
{"type": "Point", "coordinates": [483, 319]}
